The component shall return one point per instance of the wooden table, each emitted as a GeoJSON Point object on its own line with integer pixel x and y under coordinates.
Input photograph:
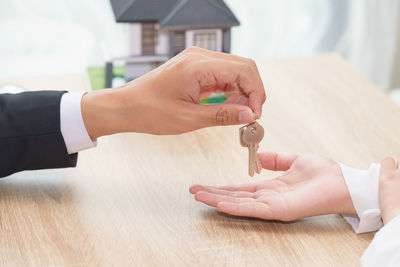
{"type": "Point", "coordinates": [127, 202]}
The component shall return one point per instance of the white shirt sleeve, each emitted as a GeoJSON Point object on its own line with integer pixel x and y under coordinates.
{"type": "Point", "coordinates": [363, 186]}
{"type": "Point", "coordinates": [73, 129]}
{"type": "Point", "coordinates": [384, 251]}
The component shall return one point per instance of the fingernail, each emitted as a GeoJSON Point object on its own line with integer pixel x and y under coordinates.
{"type": "Point", "coordinates": [246, 116]}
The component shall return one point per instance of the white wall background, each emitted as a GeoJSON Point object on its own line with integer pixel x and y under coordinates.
{"type": "Point", "coordinates": [55, 36]}
{"type": "Point", "coordinates": [363, 31]}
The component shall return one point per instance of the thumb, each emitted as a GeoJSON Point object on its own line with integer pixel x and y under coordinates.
{"type": "Point", "coordinates": [226, 114]}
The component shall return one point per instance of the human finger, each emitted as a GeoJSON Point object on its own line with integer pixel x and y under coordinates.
{"type": "Point", "coordinates": [222, 114]}
{"type": "Point", "coordinates": [257, 97]}
{"type": "Point", "coordinates": [275, 161]}
{"type": "Point", "coordinates": [212, 199]}
{"type": "Point", "coordinates": [244, 187]}
{"type": "Point", "coordinates": [230, 77]}
{"type": "Point", "coordinates": [195, 189]}
{"type": "Point", "coordinates": [247, 209]}
{"type": "Point", "coordinates": [388, 164]}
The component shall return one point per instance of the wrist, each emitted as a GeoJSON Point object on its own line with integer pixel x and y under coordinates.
{"type": "Point", "coordinates": [346, 206]}
{"type": "Point", "coordinates": [100, 112]}
{"type": "Point", "coordinates": [333, 194]}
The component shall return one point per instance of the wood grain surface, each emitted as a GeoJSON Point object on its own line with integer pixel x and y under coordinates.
{"type": "Point", "coordinates": [127, 203]}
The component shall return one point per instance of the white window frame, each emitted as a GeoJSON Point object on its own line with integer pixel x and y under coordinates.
{"type": "Point", "coordinates": [190, 37]}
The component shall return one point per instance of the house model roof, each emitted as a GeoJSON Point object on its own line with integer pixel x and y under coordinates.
{"type": "Point", "coordinates": [175, 13]}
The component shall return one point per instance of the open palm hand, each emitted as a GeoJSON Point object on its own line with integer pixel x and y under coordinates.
{"type": "Point", "coordinates": [310, 186]}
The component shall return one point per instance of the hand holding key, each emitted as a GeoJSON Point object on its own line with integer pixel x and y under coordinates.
{"type": "Point", "coordinates": [166, 100]}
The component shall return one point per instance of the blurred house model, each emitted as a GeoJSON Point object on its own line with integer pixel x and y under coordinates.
{"type": "Point", "coordinates": [160, 29]}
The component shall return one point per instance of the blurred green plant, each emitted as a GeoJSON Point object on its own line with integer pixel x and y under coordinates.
{"type": "Point", "coordinates": [213, 100]}
{"type": "Point", "coordinates": [97, 76]}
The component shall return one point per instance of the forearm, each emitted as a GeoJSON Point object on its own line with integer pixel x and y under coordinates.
{"type": "Point", "coordinates": [119, 110]}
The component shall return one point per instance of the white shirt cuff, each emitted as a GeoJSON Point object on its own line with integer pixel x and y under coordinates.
{"type": "Point", "coordinates": [73, 129]}
{"type": "Point", "coordinates": [384, 250]}
{"type": "Point", "coordinates": [363, 186]}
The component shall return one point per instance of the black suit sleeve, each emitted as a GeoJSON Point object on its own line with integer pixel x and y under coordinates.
{"type": "Point", "coordinates": [30, 134]}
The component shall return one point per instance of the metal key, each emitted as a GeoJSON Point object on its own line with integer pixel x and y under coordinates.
{"type": "Point", "coordinates": [250, 136]}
